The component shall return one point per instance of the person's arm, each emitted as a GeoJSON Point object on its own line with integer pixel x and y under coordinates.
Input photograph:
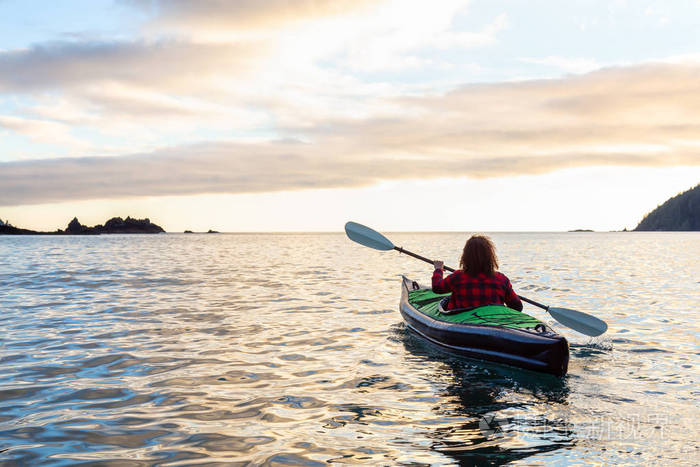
{"type": "Point", "coordinates": [512, 300]}
{"type": "Point", "coordinates": [441, 285]}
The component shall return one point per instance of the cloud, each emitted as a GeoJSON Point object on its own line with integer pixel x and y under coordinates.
{"type": "Point", "coordinates": [405, 36]}
{"type": "Point", "coordinates": [277, 166]}
{"type": "Point", "coordinates": [208, 15]}
{"type": "Point", "coordinates": [296, 81]}
{"type": "Point", "coordinates": [567, 64]}
{"type": "Point", "coordinates": [124, 86]}
{"type": "Point", "coordinates": [177, 80]}
{"type": "Point", "coordinates": [634, 116]}
{"type": "Point", "coordinates": [646, 108]}
{"type": "Point", "coordinates": [41, 131]}
{"type": "Point", "coordinates": [166, 63]}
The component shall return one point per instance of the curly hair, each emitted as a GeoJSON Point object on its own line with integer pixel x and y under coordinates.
{"type": "Point", "coordinates": [479, 256]}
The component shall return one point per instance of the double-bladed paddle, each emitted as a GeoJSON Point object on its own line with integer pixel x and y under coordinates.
{"type": "Point", "coordinates": [576, 320]}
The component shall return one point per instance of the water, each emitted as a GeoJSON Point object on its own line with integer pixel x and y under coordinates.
{"type": "Point", "coordinates": [288, 349]}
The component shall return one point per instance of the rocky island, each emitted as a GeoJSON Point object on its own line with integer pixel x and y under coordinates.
{"type": "Point", "coordinates": [115, 225]}
{"type": "Point", "coordinates": [210, 231]}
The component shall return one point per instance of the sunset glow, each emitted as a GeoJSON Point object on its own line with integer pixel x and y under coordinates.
{"type": "Point", "coordinates": [296, 116]}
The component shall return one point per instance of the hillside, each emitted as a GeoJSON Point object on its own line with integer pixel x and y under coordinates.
{"type": "Point", "coordinates": [680, 213]}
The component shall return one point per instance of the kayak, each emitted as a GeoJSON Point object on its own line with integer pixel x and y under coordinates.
{"type": "Point", "coordinates": [495, 332]}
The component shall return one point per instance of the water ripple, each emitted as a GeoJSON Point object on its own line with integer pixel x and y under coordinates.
{"type": "Point", "coordinates": [241, 349]}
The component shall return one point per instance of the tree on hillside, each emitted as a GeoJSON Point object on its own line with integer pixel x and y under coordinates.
{"type": "Point", "coordinates": [680, 213]}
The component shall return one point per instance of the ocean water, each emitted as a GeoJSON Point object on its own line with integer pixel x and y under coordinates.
{"type": "Point", "coordinates": [288, 349]}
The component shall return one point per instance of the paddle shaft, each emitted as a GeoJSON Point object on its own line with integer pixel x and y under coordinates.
{"type": "Point", "coordinates": [428, 260]}
{"type": "Point", "coordinates": [422, 258]}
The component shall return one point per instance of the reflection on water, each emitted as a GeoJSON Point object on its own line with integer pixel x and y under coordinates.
{"type": "Point", "coordinates": [288, 349]}
{"type": "Point", "coordinates": [494, 429]}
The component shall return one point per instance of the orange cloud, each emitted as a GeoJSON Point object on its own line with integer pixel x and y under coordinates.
{"type": "Point", "coordinates": [633, 116]}
{"type": "Point", "coordinates": [187, 15]}
{"type": "Point", "coordinates": [166, 63]}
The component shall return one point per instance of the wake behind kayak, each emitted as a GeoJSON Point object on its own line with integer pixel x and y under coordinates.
{"type": "Point", "coordinates": [494, 333]}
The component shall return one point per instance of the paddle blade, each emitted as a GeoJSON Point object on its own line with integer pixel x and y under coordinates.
{"type": "Point", "coordinates": [367, 237]}
{"type": "Point", "coordinates": [579, 321]}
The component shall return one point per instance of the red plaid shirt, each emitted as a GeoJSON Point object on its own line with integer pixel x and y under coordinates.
{"type": "Point", "coordinates": [473, 291]}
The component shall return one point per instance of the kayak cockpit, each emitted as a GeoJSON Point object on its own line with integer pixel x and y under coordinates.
{"type": "Point", "coordinates": [493, 332]}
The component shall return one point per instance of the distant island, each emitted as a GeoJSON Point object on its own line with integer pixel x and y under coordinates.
{"type": "Point", "coordinates": [115, 225]}
{"type": "Point", "coordinates": [581, 230]}
{"type": "Point", "coordinates": [680, 213]}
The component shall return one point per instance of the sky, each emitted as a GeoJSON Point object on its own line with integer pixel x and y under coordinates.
{"type": "Point", "coordinates": [278, 115]}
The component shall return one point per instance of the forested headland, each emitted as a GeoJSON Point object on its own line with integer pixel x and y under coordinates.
{"type": "Point", "coordinates": [680, 213]}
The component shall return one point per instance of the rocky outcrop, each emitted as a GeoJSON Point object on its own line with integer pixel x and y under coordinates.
{"type": "Point", "coordinates": [76, 228]}
{"type": "Point", "coordinates": [125, 226]}
{"type": "Point", "coordinates": [115, 225]}
{"type": "Point", "coordinates": [7, 229]}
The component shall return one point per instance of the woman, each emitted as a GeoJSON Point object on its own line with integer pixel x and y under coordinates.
{"type": "Point", "coordinates": [477, 283]}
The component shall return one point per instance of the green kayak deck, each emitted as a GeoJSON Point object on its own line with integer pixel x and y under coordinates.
{"type": "Point", "coordinates": [428, 302]}
{"type": "Point", "coordinates": [493, 333]}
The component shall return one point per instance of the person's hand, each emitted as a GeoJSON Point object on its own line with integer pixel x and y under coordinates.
{"type": "Point", "coordinates": [438, 264]}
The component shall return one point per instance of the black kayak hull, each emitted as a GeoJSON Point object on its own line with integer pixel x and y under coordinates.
{"type": "Point", "coordinates": [545, 352]}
